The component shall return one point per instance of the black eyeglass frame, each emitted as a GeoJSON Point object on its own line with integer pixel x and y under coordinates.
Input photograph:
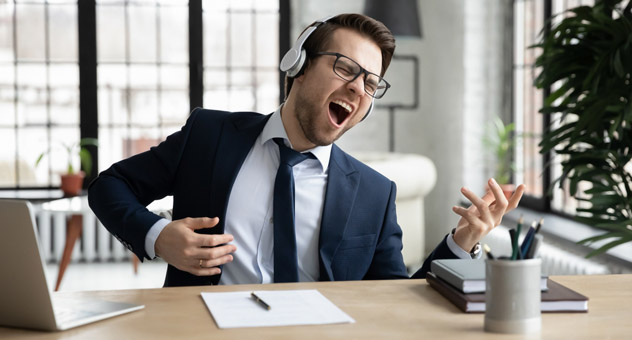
{"type": "Point", "coordinates": [361, 71]}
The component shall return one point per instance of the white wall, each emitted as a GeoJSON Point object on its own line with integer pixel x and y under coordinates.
{"type": "Point", "coordinates": [454, 100]}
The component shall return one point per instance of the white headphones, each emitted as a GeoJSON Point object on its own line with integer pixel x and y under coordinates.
{"type": "Point", "coordinates": [293, 61]}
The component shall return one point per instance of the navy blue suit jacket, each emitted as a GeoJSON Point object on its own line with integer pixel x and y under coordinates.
{"type": "Point", "coordinates": [359, 234]}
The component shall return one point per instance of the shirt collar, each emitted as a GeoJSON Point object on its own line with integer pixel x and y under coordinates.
{"type": "Point", "coordinates": [274, 129]}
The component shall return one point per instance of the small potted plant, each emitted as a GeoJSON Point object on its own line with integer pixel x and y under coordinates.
{"type": "Point", "coordinates": [500, 140]}
{"type": "Point", "coordinates": [72, 180]}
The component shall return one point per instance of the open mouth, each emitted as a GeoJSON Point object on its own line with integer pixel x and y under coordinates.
{"type": "Point", "coordinates": [339, 111]}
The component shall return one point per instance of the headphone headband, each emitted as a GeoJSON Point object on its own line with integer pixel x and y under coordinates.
{"type": "Point", "coordinates": [294, 60]}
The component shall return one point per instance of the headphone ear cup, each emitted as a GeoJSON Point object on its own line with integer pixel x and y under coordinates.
{"type": "Point", "coordinates": [368, 113]}
{"type": "Point", "coordinates": [291, 57]}
{"type": "Point", "coordinates": [299, 67]}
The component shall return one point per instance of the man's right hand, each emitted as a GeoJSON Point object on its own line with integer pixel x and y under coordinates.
{"type": "Point", "coordinates": [198, 254]}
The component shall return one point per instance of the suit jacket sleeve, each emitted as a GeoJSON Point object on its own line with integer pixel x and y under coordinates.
{"type": "Point", "coordinates": [442, 251]}
{"type": "Point", "coordinates": [119, 195]}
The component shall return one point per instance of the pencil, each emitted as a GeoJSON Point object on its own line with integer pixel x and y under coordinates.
{"type": "Point", "coordinates": [488, 251]}
{"type": "Point", "coordinates": [537, 228]}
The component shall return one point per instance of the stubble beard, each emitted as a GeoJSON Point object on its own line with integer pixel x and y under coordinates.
{"type": "Point", "coordinates": [307, 113]}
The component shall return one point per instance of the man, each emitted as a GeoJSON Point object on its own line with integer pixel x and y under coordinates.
{"type": "Point", "coordinates": [221, 169]}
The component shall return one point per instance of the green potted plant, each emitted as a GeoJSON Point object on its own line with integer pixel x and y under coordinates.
{"type": "Point", "coordinates": [588, 57]}
{"type": "Point", "coordinates": [72, 180]}
{"type": "Point", "coordinates": [500, 140]}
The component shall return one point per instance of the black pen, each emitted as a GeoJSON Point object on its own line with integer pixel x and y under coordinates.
{"type": "Point", "coordinates": [259, 301]}
{"type": "Point", "coordinates": [537, 228]}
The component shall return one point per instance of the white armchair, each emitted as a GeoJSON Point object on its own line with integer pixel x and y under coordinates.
{"type": "Point", "coordinates": [415, 176]}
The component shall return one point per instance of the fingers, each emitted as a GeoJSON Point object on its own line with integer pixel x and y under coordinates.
{"type": "Point", "coordinates": [206, 261]}
{"type": "Point", "coordinates": [515, 198]}
{"type": "Point", "coordinates": [187, 250]}
{"type": "Point", "coordinates": [215, 262]}
{"type": "Point", "coordinates": [195, 223]}
{"type": "Point", "coordinates": [499, 196]}
{"type": "Point", "coordinates": [213, 240]}
{"type": "Point", "coordinates": [482, 207]}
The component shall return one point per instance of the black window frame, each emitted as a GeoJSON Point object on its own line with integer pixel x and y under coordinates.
{"type": "Point", "coordinates": [88, 86]}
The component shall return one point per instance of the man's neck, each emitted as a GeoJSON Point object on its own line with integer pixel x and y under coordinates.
{"type": "Point", "coordinates": [293, 129]}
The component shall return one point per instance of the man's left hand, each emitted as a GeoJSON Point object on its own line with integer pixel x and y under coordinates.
{"type": "Point", "coordinates": [484, 214]}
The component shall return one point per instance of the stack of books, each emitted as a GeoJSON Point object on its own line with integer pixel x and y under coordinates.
{"type": "Point", "coordinates": [463, 283]}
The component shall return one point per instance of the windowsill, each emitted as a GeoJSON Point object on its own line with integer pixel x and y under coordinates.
{"type": "Point", "coordinates": [32, 194]}
{"type": "Point", "coordinates": [570, 232]}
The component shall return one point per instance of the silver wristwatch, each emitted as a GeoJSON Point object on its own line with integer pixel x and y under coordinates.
{"type": "Point", "coordinates": [475, 251]}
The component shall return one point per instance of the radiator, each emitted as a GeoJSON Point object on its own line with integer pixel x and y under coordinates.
{"type": "Point", "coordinates": [555, 260]}
{"type": "Point", "coordinates": [95, 245]}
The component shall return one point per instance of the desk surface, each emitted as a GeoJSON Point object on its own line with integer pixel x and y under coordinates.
{"type": "Point", "coordinates": [398, 309]}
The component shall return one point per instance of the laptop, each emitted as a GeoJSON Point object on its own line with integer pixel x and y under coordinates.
{"type": "Point", "coordinates": [25, 299]}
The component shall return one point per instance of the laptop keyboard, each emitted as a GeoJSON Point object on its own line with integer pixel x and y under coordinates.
{"type": "Point", "coordinates": [68, 313]}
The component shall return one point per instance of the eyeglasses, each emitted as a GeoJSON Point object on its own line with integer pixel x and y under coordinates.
{"type": "Point", "coordinates": [348, 69]}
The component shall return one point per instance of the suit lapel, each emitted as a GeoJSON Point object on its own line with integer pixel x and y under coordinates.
{"type": "Point", "coordinates": [238, 136]}
{"type": "Point", "coordinates": [342, 187]}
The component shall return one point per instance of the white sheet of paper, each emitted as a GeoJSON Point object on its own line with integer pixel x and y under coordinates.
{"type": "Point", "coordinates": [288, 307]}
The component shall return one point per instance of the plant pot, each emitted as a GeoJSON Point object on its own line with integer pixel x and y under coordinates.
{"type": "Point", "coordinates": [71, 184]}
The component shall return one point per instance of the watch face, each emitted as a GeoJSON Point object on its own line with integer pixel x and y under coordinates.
{"type": "Point", "coordinates": [476, 249]}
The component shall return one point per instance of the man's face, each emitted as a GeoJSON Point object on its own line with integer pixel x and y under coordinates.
{"type": "Point", "coordinates": [326, 105]}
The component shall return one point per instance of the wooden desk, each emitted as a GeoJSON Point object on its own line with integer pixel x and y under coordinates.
{"type": "Point", "coordinates": [397, 309]}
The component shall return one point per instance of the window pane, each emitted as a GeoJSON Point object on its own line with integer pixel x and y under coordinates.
{"type": "Point", "coordinates": [267, 91]}
{"type": "Point", "coordinates": [32, 94]}
{"type": "Point", "coordinates": [241, 99]}
{"type": "Point", "coordinates": [242, 43]}
{"type": "Point", "coordinates": [215, 78]}
{"type": "Point", "coordinates": [528, 23]}
{"type": "Point", "coordinates": [144, 107]}
{"type": "Point", "coordinates": [111, 33]}
{"type": "Point", "coordinates": [142, 33]}
{"type": "Point", "coordinates": [174, 107]}
{"type": "Point", "coordinates": [150, 84]}
{"type": "Point", "coordinates": [241, 4]}
{"type": "Point", "coordinates": [174, 77]}
{"type": "Point", "coordinates": [241, 73]}
{"type": "Point", "coordinates": [267, 54]}
{"type": "Point", "coordinates": [174, 34]}
{"type": "Point", "coordinates": [31, 143]}
{"type": "Point", "coordinates": [112, 94]}
{"type": "Point", "coordinates": [7, 158]}
{"type": "Point", "coordinates": [139, 140]}
{"type": "Point", "coordinates": [7, 95]}
{"type": "Point", "coordinates": [216, 99]}
{"type": "Point", "coordinates": [63, 32]}
{"type": "Point", "coordinates": [30, 32]}
{"type": "Point", "coordinates": [6, 32]}
{"type": "Point", "coordinates": [215, 49]}
{"type": "Point", "coordinates": [267, 5]}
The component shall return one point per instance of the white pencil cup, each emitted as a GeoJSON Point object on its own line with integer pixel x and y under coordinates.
{"type": "Point", "coordinates": [512, 296]}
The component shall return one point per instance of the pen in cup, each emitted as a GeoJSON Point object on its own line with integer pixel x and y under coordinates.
{"type": "Point", "coordinates": [526, 243]}
{"type": "Point", "coordinates": [259, 301]}
{"type": "Point", "coordinates": [488, 251]}
{"type": "Point", "coordinates": [537, 228]}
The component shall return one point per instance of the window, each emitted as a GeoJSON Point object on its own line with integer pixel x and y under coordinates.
{"type": "Point", "coordinates": [142, 65]}
{"type": "Point", "coordinates": [240, 65]}
{"type": "Point", "coordinates": [143, 74]}
{"type": "Point", "coordinates": [39, 89]}
{"type": "Point", "coordinates": [529, 20]}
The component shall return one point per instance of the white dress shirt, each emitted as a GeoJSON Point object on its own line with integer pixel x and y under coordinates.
{"type": "Point", "coordinates": [249, 212]}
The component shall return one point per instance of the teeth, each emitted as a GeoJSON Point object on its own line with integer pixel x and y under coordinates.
{"type": "Point", "coordinates": [344, 105]}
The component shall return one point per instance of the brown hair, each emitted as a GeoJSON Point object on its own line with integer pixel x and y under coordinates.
{"type": "Point", "coordinates": [363, 24]}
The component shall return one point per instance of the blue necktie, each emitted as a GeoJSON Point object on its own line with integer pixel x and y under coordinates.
{"type": "Point", "coordinates": [285, 258]}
